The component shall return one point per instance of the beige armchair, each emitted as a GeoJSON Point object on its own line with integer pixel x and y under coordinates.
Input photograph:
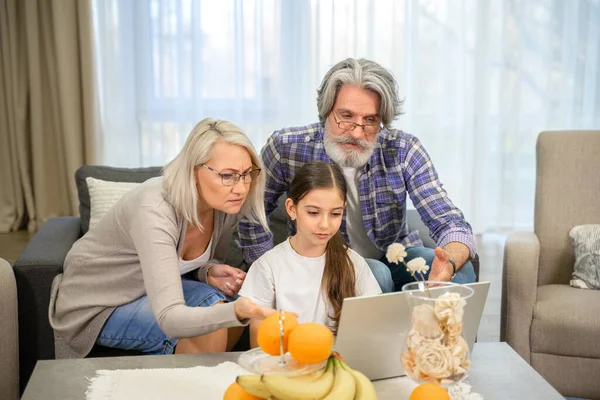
{"type": "Point", "coordinates": [554, 327]}
{"type": "Point", "coordinates": [9, 337]}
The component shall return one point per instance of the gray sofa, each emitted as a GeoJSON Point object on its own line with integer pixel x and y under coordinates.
{"type": "Point", "coordinates": [553, 326]}
{"type": "Point", "coordinates": [43, 259]}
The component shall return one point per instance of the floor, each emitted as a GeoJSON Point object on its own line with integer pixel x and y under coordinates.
{"type": "Point", "coordinates": [12, 244]}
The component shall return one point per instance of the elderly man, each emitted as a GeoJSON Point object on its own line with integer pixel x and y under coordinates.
{"type": "Point", "coordinates": [357, 102]}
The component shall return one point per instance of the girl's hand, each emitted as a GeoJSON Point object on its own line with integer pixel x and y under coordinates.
{"type": "Point", "coordinates": [246, 308]}
{"type": "Point", "coordinates": [226, 278]}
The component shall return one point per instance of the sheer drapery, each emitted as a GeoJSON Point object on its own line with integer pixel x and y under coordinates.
{"type": "Point", "coordinates": [480, 78]}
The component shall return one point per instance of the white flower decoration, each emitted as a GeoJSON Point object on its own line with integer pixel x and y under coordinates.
{"type": "Point", "coordinates": [414, 340]}
{"type": "Point", "coordinates": [395, 253]}
{"type": "Point", "coordinates": [449, 308]}
{"type": "Point", "coordinates": [452, 330]}
{"type": "Point", "coordinates": [417, 265]}
{"type": "Point", "coordinates": [434, 360]}
{"type": "Point", "coordinates": [459, 356]}
{"type": "Point", "coordinates": [425, 322]}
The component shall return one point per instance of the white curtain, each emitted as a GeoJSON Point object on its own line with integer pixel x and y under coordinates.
{"type": "Point", "coordinates": [480, 78]}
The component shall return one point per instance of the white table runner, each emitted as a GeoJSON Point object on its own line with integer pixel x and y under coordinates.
{"type": "Point", "coordinates": [195, 383]}
{"type": "Point", "coordinates": [209, 383]}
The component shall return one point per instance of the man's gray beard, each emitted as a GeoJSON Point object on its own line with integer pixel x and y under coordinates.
{"type": "Point", "coordinates": [347, 157]}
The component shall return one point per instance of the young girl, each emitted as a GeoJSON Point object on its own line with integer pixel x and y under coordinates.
{"type": "Point", "coordinates": [312, 272]}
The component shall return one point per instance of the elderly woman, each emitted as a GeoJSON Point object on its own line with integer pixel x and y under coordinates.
{"type": "Point", "coordinates": [149, 276]}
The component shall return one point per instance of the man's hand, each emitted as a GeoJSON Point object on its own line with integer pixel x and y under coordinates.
{"type": "Point", "coordinates": [441, 269]}
{"type": "Point", "coordinates": [246, 308]}
{"type": "Point", "coordinates": [226, 278]}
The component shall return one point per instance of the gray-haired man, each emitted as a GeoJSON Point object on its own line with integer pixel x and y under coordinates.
{"type": "Point", "coordinates": [357, 102]}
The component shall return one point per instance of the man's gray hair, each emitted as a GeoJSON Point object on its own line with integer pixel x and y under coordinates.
{"type": "Point", "coordinates": [367, 75]}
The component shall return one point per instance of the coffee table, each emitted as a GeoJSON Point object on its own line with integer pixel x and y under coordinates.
{"type": "Point", "coordinates": [498, 372]}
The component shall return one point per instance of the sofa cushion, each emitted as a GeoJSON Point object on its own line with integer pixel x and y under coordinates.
{"type": "Point", "coordinates": [586, 246]}
{"type": "Point", "coordinates": [104, 195]}
{"type": "Point", "coordinates": [106, 174]}
{"type": "Point", "coordinates": [566, 322]}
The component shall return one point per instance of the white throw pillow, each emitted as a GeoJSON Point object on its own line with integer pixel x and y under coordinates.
{"type": "Point", "coordinates": [586, 245]}
{"type": "Point", "coordinates": [103, 195]}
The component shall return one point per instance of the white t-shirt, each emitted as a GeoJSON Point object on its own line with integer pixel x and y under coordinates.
{"type": "Point", "coordinates": [355, 225]}
{"type": "Point", "coordinates": [285, 280]}
{"type": "Point", "coordinates": [186, 266]}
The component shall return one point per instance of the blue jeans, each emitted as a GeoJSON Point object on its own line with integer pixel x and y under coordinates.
{"type": "Point", "coordinates": [391, 277]}
{"type": "Point", "coordinates": [132, 326]}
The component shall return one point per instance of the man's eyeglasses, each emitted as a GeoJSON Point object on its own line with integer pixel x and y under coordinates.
{"type": "Point", "coordinates": [232, 178]}
{"type": "Point", "coordinates": [369, 128]}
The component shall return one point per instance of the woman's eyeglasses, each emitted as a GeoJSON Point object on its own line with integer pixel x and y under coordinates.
{"type": "Point", "coordinates": [232, 178]}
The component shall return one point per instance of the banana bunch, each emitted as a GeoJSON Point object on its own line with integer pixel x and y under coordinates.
{"type": "Point", "coordinates": [335, 381]}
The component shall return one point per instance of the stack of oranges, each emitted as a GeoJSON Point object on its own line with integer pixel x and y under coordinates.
{"type": "Point", "coordinates": [308, 343]}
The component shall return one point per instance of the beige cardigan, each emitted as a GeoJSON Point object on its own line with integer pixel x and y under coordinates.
{"type": "Point", "coordinates": [132, 251]}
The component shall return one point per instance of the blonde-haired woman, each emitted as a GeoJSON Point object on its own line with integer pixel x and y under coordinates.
{"type": "Point", "coordinates": [149, 276]}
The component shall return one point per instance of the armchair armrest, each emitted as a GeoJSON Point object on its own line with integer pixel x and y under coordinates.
{"type": "Point", "coordinates": [41, 260]}
{"type": "Point", "coordinates": [519, 290]}
{"type": "Point", "coordinates": [51, 243]}
{"type": "Point", "coordinates": [9, 333]}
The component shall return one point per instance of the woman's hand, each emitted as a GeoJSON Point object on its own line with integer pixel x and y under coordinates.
{"type": "Point", "coordinates": [246, 308]}
{"type": "Point", "coordinates": [226, 278]}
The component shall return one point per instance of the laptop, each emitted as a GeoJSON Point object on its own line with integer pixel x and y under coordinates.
{"type": "Point", "coordinates": [372, 330]}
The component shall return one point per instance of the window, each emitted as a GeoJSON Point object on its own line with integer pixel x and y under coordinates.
{"type": "Point", "coordinates": [480, 78]}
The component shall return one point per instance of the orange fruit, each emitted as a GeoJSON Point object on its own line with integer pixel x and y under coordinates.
{"type": "Point", "coordinates": [429, 391]}
{"type": "Point", "coordinates": [236, 392]}
{"type": "Point", "coordinates": [268, 332]}
{"type": "Point", "coordinates": [311, 343]}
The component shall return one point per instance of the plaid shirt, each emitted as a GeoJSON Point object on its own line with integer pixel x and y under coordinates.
{"type": "Point", "coordinates": [399, 166]}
